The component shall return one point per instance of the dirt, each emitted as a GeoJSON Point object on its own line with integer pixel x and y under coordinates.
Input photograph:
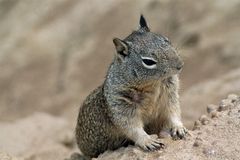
{"type": "Point", "coordinates": [214, 138]}
{"type": "Point", "coordinates": [53, 53]}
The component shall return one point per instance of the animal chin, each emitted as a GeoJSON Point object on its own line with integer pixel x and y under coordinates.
{"type": "Point", "coordinates": [169, 74]}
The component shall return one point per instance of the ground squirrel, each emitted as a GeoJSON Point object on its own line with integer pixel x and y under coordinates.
{"type": "Point", "coordinates": [138, 98]}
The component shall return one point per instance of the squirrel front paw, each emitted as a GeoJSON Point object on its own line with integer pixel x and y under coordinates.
{"type": "Point", "coordinates": [150, 143]}
{"type": "Point", "coordinates": [178, 132]}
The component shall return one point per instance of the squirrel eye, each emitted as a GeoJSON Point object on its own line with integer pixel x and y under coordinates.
{"type": "Point", "coordinates": [149, 62]}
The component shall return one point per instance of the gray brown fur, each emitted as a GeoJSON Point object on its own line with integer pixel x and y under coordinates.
{"type": "Point", "coordinates": [139, 97]}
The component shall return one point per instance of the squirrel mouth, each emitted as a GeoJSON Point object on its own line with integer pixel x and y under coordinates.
{"type": "Point", "coordinates": [168, 75]}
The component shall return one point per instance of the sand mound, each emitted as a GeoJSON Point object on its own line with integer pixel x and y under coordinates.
{"type": "Point", "coordinates": [215, 136]}
{"type": "Point", "coordinates": [40, 136]}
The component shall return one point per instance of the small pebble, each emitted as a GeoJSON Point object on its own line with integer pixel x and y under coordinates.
{"type": "Point", "coordinates": [225, 104]}
{"type": "Point", "coordinates": [214, 114]}
{"type": "Point", "coordinates": [198, 138]}
{"type": "Point", "coordinates": [197, 125]}
{"type": "Point", "coordinates": [229, 112]}
{"type": "Point", "coordinates": [232, 97]}
{"type": "Point", "coordinates": [229, 122]}
{"type": "Point", "coordinates": [214, 142]}
{"type": "Point", "coordinates": [209, 151]}
{"type": "Point", "coordinates": [197, 142]}
{"type": "Point", "coordinates": [199, 133]}
{"type": "Point", "coordinates": [204, 119]}
{"type": "Point", "coordinates": [211, 108]}
{"type": "Point", "coordinates": [205, 122]}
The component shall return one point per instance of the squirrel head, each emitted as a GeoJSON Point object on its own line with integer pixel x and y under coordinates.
{"type": "Point", "coordinates": [145, 55]}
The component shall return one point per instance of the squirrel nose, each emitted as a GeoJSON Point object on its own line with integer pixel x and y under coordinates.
{"type": "Point", "coordinates": [180, 66]}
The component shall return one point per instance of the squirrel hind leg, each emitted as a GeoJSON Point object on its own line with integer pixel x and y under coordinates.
{"type": "Point", "coordinates": [78, 156]}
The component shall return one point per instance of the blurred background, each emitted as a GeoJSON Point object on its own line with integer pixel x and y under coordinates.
{"type": "Point", "coordinates": [53, 53]}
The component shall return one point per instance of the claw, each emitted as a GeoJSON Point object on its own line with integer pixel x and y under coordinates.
{"type": "Point", "coordinates": [178, 132]}
{"type": "Point", "coordinates": [151, 143]}
{"type": "Point", "coordinates": [148, 148]}
{"type": "Point", "coordinates": [156, 146]}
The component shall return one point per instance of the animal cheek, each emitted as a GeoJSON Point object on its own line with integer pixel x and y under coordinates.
{"type": "Point", "coordinates": [137, 98]}
{"type": "Point", "coordinates": [164, 71]}
{"type": "Point", "coordinates": [134, 73]}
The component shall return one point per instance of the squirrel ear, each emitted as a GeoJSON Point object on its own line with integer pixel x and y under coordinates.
{"type": "Point", "coordinates": [143, 24]}
{"type": "Point", "coordinates": [121, 47]}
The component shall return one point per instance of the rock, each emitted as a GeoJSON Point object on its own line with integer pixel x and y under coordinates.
{"type": "Point", "coordinates": [209, 151]}
{"type": "Point", "coordinates": [204, 119]}
{"type": "Point", "coordinates": [225, 104]}
{"type": "Point", "coordinates": [214, 114]}
{"type": "Point", "coordinates": [197, 125]}
{"type": "Point", "coordinates": [211, 108]}
{"type": "Point", "coordinates": [233, 97]}
{"type": "Point", "coordinates": [198, 142]}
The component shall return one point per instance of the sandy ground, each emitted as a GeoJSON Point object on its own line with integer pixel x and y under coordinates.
{"type": "Point", "coordinates": [53, 53]}
{"type": "Point", "coordinates": [216, 137]}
